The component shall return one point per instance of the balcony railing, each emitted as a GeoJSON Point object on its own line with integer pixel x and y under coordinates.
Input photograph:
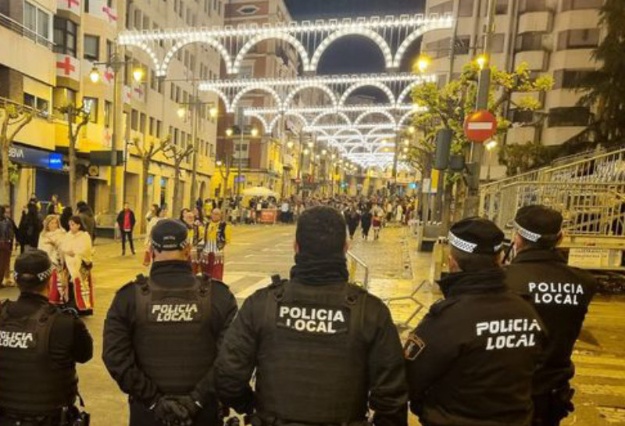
{"type": "Point", "coordinates": [20, 29]}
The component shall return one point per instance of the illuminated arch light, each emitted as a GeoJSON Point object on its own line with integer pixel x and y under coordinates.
{"type": "Point", "coordinates": [365, 32]}
{"type": "Point", "coordinates": [223, 97]}
{"type": "Point", "coordinates": [319, 86]}
{"type": "Point", "coordinates": [362, 138]}
{"type": "Point", "coordinates": [275, 120]}
{"type": "Point", "coordinates": [356, 86]}
{"type": "Point", "coordinates": [435, 22]}
{"type": "Point", "coordinates": [196, 38]}
{"type": "Point", "coordinates": [147, 49]}
{"type": "Point", "coordinates": [380, 111]}
{"type": "Point", "coordinates": [359, 127]}
{"type": "Point", "coordinates": [342, 115]}
{"type": "Point", "coordinates": [251, 88]}
{"type": "Point", "coordinates": [417, 110]}
{"type": "Point", "coordinates": [263, 122]}
{"type": "Point", "coordinates": [339, 132]}
{"type": "Point", "coordinates": [404, 93]}
{"type": "Point", "coordinates": [381, 127]}
{"type": "Point", "coordinates": [274, 35]}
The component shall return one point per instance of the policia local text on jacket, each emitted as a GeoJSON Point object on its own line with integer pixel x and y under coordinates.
{"type": "Point", "coordinates": [161, 338]}
{"type": "Point", "coordinates": [39, 349]}
{"type": "Point", "coordinates": [322, 350]}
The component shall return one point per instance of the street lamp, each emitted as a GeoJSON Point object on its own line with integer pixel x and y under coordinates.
{"type": "Point", "coordinates": [422, 63]}
{"type": "Point", "coordinates": [229, 132]}
{"type": "Point", "coordinates": [490, 146]}
{"type": "Point", "coordinates": [117, 62]}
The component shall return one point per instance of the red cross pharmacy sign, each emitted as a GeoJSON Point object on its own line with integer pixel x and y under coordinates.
{"type": "Point", "coordinates": [480, 126]}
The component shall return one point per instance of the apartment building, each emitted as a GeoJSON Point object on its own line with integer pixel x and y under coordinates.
{"type": "Point", "coordinates": [49, 50]}
{"type": "Point", "coordinates": [554, 37]}
{"type": "Point", "coordinates": [264, 160]}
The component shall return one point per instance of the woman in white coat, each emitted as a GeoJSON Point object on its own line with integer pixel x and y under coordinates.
{"type": "Point", "coordinates": [50, 241]}
{"type": "Point", "coordinates": [77, 252]}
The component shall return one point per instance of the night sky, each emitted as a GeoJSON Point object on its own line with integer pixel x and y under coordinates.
{"type": "Point", "coordinates": [354, 54]}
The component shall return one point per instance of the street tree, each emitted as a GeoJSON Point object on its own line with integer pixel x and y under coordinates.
{"type": "Point", "coordinates": [178, 155]}
{"type": "Point", "coordinates": [13, 119]}
{"type": "Point", "coordinates": [147, 151]}
{"type": "Point", "coordinates": [447, 107]}
{"type": "Point", "coordinates": [77, 118]}
{"type": "Point", "coordinates": [606, 87]}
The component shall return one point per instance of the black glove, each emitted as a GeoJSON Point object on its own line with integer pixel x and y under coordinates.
{"type": "Point", "coordinates": [168, 412]}
{"type": "Point", "coordinates": [190, 406]}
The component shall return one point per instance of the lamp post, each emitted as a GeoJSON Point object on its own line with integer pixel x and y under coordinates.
{"type": "Point", "coordinates": [117, 63]}
{"type": "Point", "coordinates": [490, 146]}
{"type": "Point", "coordinates": [229, 134]}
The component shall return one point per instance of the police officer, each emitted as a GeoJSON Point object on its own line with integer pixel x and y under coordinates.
{"type": "Point", "coordinates": [561, 296]}
{"type": "Point", "coordinates": [471, 359]}
{"type": "Point", "coordinates": [161, 336]}
{"type": "Point", "coordinates": [39, 349]}
{"type": "Point", "coordinates": [324, 350]}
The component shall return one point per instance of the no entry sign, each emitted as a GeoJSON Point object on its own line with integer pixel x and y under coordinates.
{"type": "Point", "coordinates": [480, 126]}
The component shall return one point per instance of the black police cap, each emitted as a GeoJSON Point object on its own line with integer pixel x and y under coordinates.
{"type": "Point", "coordinates": [33, 264]}
{"type": "Point", "coordinates": [169, 235]}
{"type": "Point", "coordinates": [538, 222]}
{"type": "Point", "coordinates": [476, 236]}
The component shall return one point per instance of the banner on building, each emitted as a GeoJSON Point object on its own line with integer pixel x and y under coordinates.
{"type": "Point", "coordinates": [67, 67]}
{"type": "Point", "coordinates": [73, 6]}
{"type": "Point", "coordinates": [100, 9]}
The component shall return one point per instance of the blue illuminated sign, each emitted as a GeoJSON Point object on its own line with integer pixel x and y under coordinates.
{"type": "Point", "coordinates": [55, 161]}
{"type": "Point", "coordinates": [36, 157]}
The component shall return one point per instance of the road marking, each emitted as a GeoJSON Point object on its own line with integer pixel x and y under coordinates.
{"type": "Point", "coordinates": [599, 372]}
{"type": "Point", "coordinates": [588, 359]}
{"type": "Point", "coordinates": [262, 283]}
{"type": "Point", "coordinates": [617, 390]}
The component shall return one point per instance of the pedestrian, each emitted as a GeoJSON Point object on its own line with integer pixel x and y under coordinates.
{"type": "Point", "coordinates": [162, 333]}
{"type": "Point", "coordinates": [195, 229]}
{"type": "Point", "coordinates": [560, 294]}
{"type": "Point", "coordinates": [55, 206]}
{"type": "Point", "coordinates": [88, 219]}
{"type": "Point", "coordinates": [471, 359]}
{"type": "Point", "coordinates": [30, 227]}
{"type": "Point", "coordinates": [153, 216]}
{"type": "Point", "coordinates": [8, 276]}
{"type": "Point", "coordinates": [365, 222]}
{"type": "Point", "coordinates": [7, 235]}
{"type": "Point", "coordinates": [39, 349]}
{"type": "Point", "coordinates": [50, 242]}
{"type": "Point", "coordinates": [65, 216]}
{"type": "Point", "coordinates": [324, 350]}
{"type": "Point", "coordinates": [376, 222]}
{"type": "Point", "coordinates": [126, 224]}
{"type": "Point", "coordinates": [353, 219]}
{"type": "Point", "coordinates": [216, 238]}
{"type": "Point", "coordinates": [77, 252]}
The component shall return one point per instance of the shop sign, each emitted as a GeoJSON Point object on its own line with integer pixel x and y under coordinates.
{"type": "Point", "coordinates": [36, 157]}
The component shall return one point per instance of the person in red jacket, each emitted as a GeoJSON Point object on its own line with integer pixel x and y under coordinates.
{"type": "Point", "coordinates": [126, 223]}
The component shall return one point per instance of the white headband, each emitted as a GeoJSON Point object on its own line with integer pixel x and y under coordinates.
{"type": "Point", "coordinates": [526, 233]}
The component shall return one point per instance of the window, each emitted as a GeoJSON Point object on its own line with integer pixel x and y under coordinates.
{"type": "Point", "coordinates": [159, 128]}
{"type": "Point", "coordinates": [109, 49]}
{"type": "Point", "coordinates": [569, 79]}
{"type": "Point", "coordinates": [443, 8]}
{"type": "Point", "coordinates": [465, 8]}
{"type": "Point", "coordinates": [501, 8]}
{"type": "Point", "coordinates": [64, 36]}
{"type": "Point", "coordinates": [578, 39]}
{"type": "Point", "coordinates": [108, 110]}
{"type": "Point", "coordinates": [529, 41]}
{"type": "Point", "coordinates": [461, 46]}
{"type": "Point", "coordinates": [497, 43]}
{"type": "Point", "coordinates": [91, 106]}
{"type": "Point", "coordinates": [151, 127]}
{"type": "Point", "coordinates": [532, 6]}
{"type": "Point", "coordinates": [39, 104]}
{"type": "Point", "coordinates": [92, 47]}
{"type": "Point", "coordinates": [137, 19]}
{"type": "Point", "coordinates": [86, 5]}
{"type": "Point", "coordinates": [38, 22]}
{"type": "Point", "coordinates": [142, 121]}
{"type": "Point", "coordinates": [521, 116]}
{"type": "Point", "coordinates": [569, 116]}
{"type": "Point", "coordinates": [581, 4]}
{"type": "Point", "coordinates": [134, 119]}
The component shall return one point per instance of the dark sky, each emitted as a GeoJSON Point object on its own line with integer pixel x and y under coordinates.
{"type": "Point", "coordinates": [353, 54]}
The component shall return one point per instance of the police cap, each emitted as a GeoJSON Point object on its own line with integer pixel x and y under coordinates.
{"type": "Point", "coordinates": [169, 235]}
{"type": "Point", "coordinates": [538, 223]}
{"type": "Point", "coordinates": [32, 267]}
{"type": "Point", "coordinates": [476, 236]}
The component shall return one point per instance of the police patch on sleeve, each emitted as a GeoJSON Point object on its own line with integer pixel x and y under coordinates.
{"type": "Point", "coordinates": [174, 312]}
{"type": "Point", "coordinates": [313, 319]}
{"type": "Point", "coordinates": [413, 347]}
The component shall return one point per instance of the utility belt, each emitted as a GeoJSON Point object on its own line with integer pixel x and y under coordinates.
{"type": "Point", "coordinates": [66, 416]}
{"type": "Point", "coordinates": [558, 403]}
{"type": "Point", "coordinates": [256, 420]}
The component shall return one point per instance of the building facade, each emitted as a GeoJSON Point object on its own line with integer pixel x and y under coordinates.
{"type": "Point", "coordinates": [554, 37]}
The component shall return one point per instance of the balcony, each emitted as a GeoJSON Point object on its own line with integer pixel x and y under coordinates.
{"type": "Point", "coordinates": [535, 59]}
{"type": "Point", "coordinates": [536, 22]}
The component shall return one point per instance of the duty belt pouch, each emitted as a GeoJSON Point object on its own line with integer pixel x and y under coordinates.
{"type": "Point", "coordinates": [76, 416]}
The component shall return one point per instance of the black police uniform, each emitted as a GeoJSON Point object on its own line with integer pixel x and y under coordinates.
{"type": "Point", "coordinates": [161, 337]}
{"type": "Point", "coordinates": [471, 360]}
{"type": "Point", "coordinates": [39, 348]}
{"type": "Point", "coordinates": [323, 349]}
{"type": "Point", "coordinates": [561, 296]}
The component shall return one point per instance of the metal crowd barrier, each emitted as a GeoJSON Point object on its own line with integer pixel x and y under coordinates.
{"type": "Point", "coordinates": [355, 266]}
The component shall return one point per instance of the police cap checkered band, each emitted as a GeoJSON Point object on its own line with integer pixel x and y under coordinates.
{"type": "Point", "coordinates": [35, 263]}
{"type": "Point", "coordinates": [538, 222]}
{"type": "Point", "coordinates": [476, 236]}
{"type": "Point", "coordinates": [169, 235]}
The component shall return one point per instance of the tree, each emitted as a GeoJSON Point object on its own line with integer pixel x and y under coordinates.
{"type": "Point", "coordinates": [147, 151]}
{"type": "Point", "coordinates": [14, 118]}
{"type": "Point", "coordinates": [606, 86]}
{"type": "Point", "coordinates": [77, 118]}
{"type": "Point", "coordinates": [447, 107]}
{"type": "Point", "coordinates": [178, 155]}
